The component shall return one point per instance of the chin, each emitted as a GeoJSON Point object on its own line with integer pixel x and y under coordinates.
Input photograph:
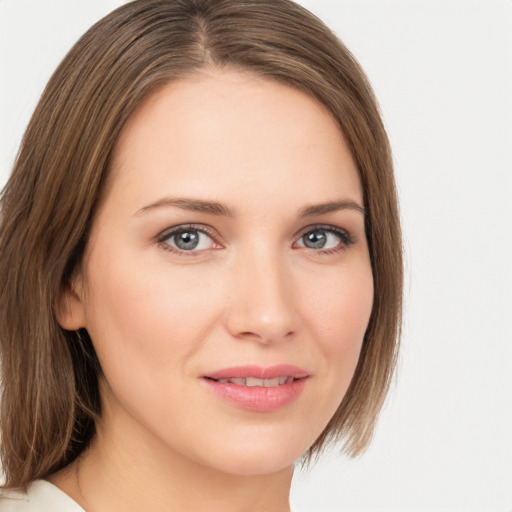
{"type": "Point", "coordinates": [262, 455]}
{"type": "Point", "coordinates": [254, 465]}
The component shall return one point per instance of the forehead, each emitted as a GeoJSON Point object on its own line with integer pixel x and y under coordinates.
{"type": "Point", "coordinates": [225, 128]}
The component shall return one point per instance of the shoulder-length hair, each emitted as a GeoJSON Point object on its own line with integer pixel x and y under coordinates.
{"type": "Point", "coordinates": [50, 397]}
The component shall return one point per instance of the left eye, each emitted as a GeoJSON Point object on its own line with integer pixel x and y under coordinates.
{"type": "Point", "coordinates": [188, 239]}
{"type": "Point", "coordinates": [320, 239]}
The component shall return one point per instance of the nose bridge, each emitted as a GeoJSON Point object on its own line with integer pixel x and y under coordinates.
{"type": "Point", "coordinates": [262, 305]}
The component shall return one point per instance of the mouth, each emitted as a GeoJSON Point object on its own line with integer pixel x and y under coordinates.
{"type": "Point", "coordinates": [256, 388]}
{"type": "Point", "coordinates": [253, 382]}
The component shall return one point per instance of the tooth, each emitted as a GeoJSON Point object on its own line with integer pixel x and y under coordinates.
{"type": "Point", "coordinates": [253, 382]}
{"type": "Point", "coordinates": [240, 381]}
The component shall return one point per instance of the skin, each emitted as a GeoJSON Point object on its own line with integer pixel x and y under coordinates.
{"type": "Point", "coordinates": [252, 293]}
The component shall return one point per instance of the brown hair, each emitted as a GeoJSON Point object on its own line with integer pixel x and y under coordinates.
{"type": "Point", "coordinates": [50, 395]}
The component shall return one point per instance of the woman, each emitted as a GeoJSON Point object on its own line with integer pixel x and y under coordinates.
{"type": "Point", "coordinates": [200, 263]}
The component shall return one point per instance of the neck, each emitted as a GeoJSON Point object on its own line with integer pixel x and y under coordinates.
{"type": "Point", "coordinates": [124, 470]}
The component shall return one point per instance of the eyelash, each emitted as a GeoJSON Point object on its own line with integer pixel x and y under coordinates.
{"type": "Point", "coordinates": [346, 239]}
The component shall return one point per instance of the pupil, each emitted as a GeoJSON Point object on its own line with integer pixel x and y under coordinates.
{"type": "Point", "coordinates": [187, 240]}
{"type": "Point", "coordinates": [315, 240]}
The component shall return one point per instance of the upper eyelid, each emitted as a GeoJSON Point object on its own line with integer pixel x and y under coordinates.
{"type": "Point", "coordinates": [168, 232]}
{"type": "Point", "coordinates": [326, 227]}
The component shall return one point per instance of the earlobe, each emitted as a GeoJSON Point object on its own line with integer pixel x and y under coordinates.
{"type": "Point", "coordinates": [69, 308]}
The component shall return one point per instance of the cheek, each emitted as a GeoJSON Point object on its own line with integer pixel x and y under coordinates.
{"type": "Point", "coordinates": [341, 311]}
{"type": "Point", "coordinates": [338, 318]}
{"type": "Point", "coordinates": [146, 314]}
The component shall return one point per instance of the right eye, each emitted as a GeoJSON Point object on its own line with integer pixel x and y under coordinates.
{"type": "Point", "coordinates": [187, 239]}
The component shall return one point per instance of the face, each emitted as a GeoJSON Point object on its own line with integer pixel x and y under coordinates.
{"type": "Point", "coordinates": [226, 284]}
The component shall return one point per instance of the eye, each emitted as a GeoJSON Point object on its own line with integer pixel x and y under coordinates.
{"type": "Point", "coordinates": [187, 239]}
{"type": "Point", "coordinates": [325, 239]}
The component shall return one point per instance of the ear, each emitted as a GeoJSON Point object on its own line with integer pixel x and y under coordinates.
{"type": "Point", "coordinates": [69, 308]}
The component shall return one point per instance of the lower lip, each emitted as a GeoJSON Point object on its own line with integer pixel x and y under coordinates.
{"type": "Point", "coordinates": [255, 398]}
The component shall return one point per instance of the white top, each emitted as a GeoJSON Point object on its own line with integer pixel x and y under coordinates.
{"type": "Point", "coordinates": [41, 496]}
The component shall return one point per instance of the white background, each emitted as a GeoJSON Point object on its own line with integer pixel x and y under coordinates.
{"type": "Point", "coordinates": [442, 70]}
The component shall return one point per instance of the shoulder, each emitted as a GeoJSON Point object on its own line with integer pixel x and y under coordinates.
{"type": "Point", "coordinates": [13, 501]}
{"type": "Point", "coordinates": [41, 496]}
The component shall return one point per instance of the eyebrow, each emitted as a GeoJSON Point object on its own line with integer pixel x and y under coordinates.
{"type": "Point", "coordinates": [193, 205]}
{"type": "Point", "coordinates": [331, 207]}
{"type": "Point", "coordinates": [215, 208]}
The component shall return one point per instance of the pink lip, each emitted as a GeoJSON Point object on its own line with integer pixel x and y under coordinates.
{"type": "Point", "coordinates": [259, 372]}
{"type": "Point", "coordinates": [258, 399]}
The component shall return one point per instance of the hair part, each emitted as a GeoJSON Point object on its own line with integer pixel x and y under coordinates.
{"type": "Point", "coordinates": [50, 397]}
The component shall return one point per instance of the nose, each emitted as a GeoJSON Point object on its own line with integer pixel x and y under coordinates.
{"type": "Point", "coordinates": [262, 305]}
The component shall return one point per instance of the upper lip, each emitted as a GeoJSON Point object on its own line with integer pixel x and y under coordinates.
{"type": "Point", "coordinates": [258, 372]}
